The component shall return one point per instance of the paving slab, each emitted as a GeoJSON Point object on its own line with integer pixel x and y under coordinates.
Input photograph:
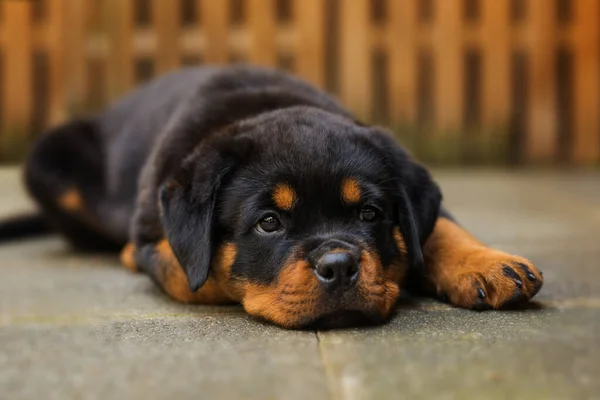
{"type": "Point", "coordinates": [525, 208]}
{"type": "Point", "coordinates": [457, 354]}
{"type": "Point", "coordinates": [159, 357]}
{"type": "Point", "coordinates": [78, 326]}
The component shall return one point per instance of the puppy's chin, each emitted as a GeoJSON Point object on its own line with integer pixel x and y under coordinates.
{"type": "Point", "coordinates": [344, 319]}
{"type": "Point", "coordinates": [327, 321]}
{"type": "Point", "coordinates": [322, 316]}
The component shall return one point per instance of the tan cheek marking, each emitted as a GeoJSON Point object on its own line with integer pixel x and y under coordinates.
{"type": "Point", "coordinates": [399, 239]}
{"type": "Point", "coordinates": [71, 200]}
{"type": "Point", "coordinates": [284, 196]}
{"type": "Point", "coordinates": [127, 257]}
{"type": "Point", "coordinates": [175, 282]}
{"type": "Point", "coordinates": [379, 289]}
{"type": "Point", "coordinates": [287, 302]}
{"type": "Point", "coordinates": [351, 191]}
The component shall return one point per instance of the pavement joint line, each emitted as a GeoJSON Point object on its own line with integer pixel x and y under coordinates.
{"type": "Point", "coordinates": [332, 383]}
{"type": "Point", "coordinates": [73, 320]}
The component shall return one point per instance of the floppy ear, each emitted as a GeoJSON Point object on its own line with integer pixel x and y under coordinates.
{"type": "Point", "coordinates": [417, 197]}
{"type": "Point", "coordinates": [188, 198]}
{"type": "Point", "coordinates": [188, 208]}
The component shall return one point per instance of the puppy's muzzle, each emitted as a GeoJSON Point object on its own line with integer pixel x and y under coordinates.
{"type": "Point", "coordinates": [336, 265]}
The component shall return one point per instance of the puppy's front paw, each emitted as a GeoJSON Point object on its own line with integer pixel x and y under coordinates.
{"type": "Point", "coordinates": [490, 279]}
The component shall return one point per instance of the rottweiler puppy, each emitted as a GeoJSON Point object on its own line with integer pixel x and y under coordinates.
{"type": "Point", "coordinates": [248, 185]}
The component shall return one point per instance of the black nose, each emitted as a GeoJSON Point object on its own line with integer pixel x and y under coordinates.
{"type": "Point", "coordinates": [339, 269]}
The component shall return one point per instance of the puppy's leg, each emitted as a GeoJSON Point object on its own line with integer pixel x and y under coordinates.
{"type": "Point", "coordinates": [127, 257]}
{"type": "Point", "coordinates": [64, 174]}
{"type": "Point", "coordinates": [159, 262]}
{"type": "Point", "coordinates": [468, 274]}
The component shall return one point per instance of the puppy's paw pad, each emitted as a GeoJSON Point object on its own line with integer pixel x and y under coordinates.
{"type": "Point", "coordinates": [493, 280]}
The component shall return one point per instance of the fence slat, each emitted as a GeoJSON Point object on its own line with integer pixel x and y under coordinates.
{"type": "Point", "coordinates": [74, 37]}
{"type": "Point", "coordinates": [448, 65]}
{"type": "Point", "coordinates": [215, 20]}
{"type": "Point", "coordinates": [310, 16]}
{"type": "Point", "coordinates": [18, 100]}
{"type": "Point", "coordinates": [540, 143]}
{"type": "Point", "coordinates": [3, 120]}
{"type": "Point", "coordinates": [261, 18]}
{"type": "Point", "coordinates": [118, 20]}
{"type": "Point", "coordinates": [56, 58]}
{"type": "Point", "coordinates": [496, 62]}
{"type": "Point", "coordinates": [402, 45]}
{"type": "Point", "coordinates": [166, 25]}
{"type": "Point", "coordinates": [552, 101]}
{"type": "Point", "coordinates": [586, 140]}
{"type": "Point", "coordinates": [355, 56]}
{"type": "Point", "coordinates": [2, 17]}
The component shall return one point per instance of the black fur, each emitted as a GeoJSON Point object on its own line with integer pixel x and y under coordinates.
{"type": "Point", "coordinates": [21, 226]}
{"type": "Point", "coordinates": [193, 157]}
{"type": "Point", "coordinates": [417, 197]}
{"type": "Point", "coordinates": [71, 156]}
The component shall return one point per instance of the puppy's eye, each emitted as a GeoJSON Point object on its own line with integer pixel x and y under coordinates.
{"type": "Point", "coordinates": [268, 224]}
{"type": "Point", "coordinates": [369, 214]}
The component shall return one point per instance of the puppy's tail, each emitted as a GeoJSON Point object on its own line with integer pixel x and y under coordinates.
{"type": "Point", "coordinates": [23, 226]}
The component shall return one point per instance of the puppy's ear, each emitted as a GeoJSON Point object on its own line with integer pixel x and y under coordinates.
{"type": "Point", "coordinates": [188, 200]}
{"type": "Point", "coordinates": [417, 197]}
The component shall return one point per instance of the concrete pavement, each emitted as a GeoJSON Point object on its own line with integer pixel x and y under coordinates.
{"type": "Point", "coordinates": [81, 327]}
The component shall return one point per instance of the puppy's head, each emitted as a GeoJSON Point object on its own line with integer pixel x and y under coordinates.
{"type": "Point", "coordinates": [303, 216]}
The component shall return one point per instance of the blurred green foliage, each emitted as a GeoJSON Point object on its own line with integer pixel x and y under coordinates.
{"type": "Point", "coordinates": [476, 146]}
{"type": "Point", "coordinates": [489, 146]}
{"type": "Point", "coordinates": [15, 143]}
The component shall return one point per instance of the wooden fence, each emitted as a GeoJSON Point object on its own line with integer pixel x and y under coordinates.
{"type": "Point", "coordinates": [527, 71]}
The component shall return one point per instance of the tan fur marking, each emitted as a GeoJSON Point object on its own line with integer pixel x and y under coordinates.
{"type": "Point", "coordinates": [292, 299]}
{"type": "Point", "coordinates": [399, 239]}
{"type": "Point", "coordinates": [297, 296]}
{"type": "Point", "coordinates": [221, 270]}
{"type": "Point", "coordinates": [127, 257]}
{"type": "Point", "coordinates": [175, 283]}
{"type": "Point", "coordinates": [71, 201]}
{"type": "Point", "coordinates": [379, 289]}
{"type": "Point", "coordinates": [351, 192]}
{"type": "Point", "coordinates": [457, 265]}
{"type": "Point", "coordinates": [284, 196]}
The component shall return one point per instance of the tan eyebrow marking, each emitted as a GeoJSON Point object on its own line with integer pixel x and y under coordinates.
{"type": "Point", "coordinates": [284, 196]}
{"type": "Point", "coordinates": [351, 191]}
